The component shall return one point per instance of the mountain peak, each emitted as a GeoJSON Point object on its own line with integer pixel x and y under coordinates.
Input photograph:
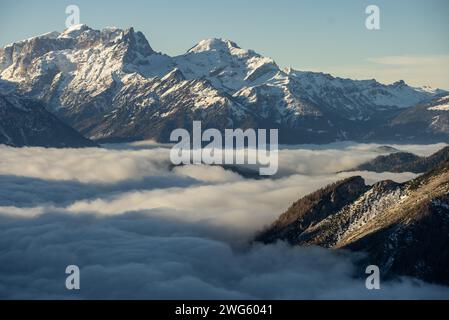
{"type": "Point", "coordinates": [74, 31]}
{"type": "Point", "coordinates": [109, 35]}
{"type": "Point", "coordinates": [79, 74]}
{"type": "Point", "coordinates": [214, 44]}
{"type": "Point", "coordinates": [137, 41]}
{"type": "Point", "coordinates": [399, 83]}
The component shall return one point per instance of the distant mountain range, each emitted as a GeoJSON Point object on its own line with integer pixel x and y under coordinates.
{"type": "Point", "coordinates": [110, 85]}
{"type": "Point", "coordinates": [404, 162]}
{"type": "Point", "coordinates": [419, 123]}
{"type": "Point", "coordinates": [403, 227]}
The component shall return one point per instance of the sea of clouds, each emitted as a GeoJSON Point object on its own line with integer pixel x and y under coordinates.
{"type": "Point", "coordinates": [139, 228]}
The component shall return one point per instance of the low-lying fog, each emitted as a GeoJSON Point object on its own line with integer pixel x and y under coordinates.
{"type": "Point", "coordinates": [138, 228]}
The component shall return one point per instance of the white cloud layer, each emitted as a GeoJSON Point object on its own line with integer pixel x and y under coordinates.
{"type": "Point", "coordinates": [138, 229]}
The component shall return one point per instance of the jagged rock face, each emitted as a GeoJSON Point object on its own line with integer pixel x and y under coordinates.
{"type": "Point", "coordinates": [77, 73]}
{"type": "Point", "coordinates": [404, 228]}
{"type": "Point", "coordinates": [111, 85]}
{"type": "Point", "coordinates": [24, 122]}
{"type": "Point", "coordinates": [166, 103]}
{"type": "Point", "coordinates": [405, 162]}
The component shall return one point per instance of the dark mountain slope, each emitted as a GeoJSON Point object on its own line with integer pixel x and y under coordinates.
{"type": "Point", "coordinates": [424, 122]}
{"type": "Point", "coordinates": [404, 228]}
{"type": "Point", "coordinates": [405, 162]}
{"type": "Point", "coordinates": [312, 209]}
{"type": "Point", "coordinates": [25, 122]}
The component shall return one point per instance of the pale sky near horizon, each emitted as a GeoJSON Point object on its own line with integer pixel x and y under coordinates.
{"type": "Point", "coordinates": [319, 35]}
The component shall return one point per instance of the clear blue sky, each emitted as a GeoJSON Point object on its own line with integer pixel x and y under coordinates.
{"type": "Point", "coordinates": [323, 35]}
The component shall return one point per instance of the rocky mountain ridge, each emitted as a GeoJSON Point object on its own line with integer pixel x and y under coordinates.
{"type": "Point", "coordinates": [402, 227]}
{"type": "Point", "coordinates": [112, 86]}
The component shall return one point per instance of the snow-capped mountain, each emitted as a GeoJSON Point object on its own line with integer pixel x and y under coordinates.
{"type": "Point", "coordinates": [359, 99]}
{"type": "Point", "coordinates": [112, 85]}
{"type": "Point", "coordinates": [425, 119]}
{"type": "Point", "coordinates": [25, 122]}
{"type": "Point", "coordinates": [248, 75]}
{"type": "Point", "coordinates": [152, 108]}
{"type": "Point", "coordinates": [404, 228]}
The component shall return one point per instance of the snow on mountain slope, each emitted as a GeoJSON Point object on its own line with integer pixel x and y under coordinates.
{"type": "Point", "coordinates": [79, 64]}
{"type": "Point", "coordinates": [78, 72]}
{"type": "Point", "coordinates": [430, 118]}
{"type": "Point", "coordinates": [87, 76]}
{"type": "Point", "coordinates": [249, 77]}
{"type": "Point", "coordinates": [359, 99]}
{"type": "Point", "coordinates": [402, 228]}
{"type": "Point", "coordinates": [252, 79]}
{"type": "Point", "coordinates": [226, 65]}
{"type": "Point", "coordinates": [441, 105]}
{"type": "Point", "coordinates": [166, 103]}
